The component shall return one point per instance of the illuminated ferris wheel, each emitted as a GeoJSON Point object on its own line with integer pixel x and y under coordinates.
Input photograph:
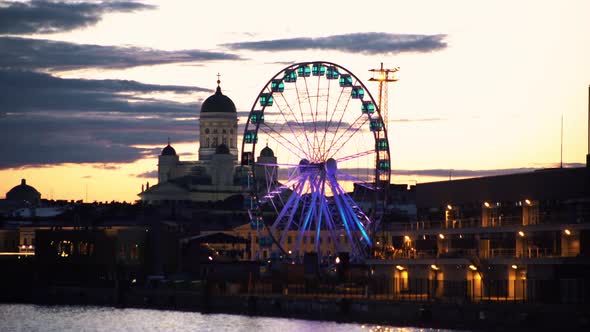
{"type": "Point", "coordinates": [327, 182]}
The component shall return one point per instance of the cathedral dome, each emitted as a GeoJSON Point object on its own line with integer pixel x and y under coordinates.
{"type": "Point", "coordinates": [267, 152]}
{"type": "Point", "coordinates": [168, 151]}
{"type": "Point", "coordinates": [218, 103]}
{"type": "Point", "coordinates": [24, 192]}
{"type": "Point", "coordinates": [222, 149]}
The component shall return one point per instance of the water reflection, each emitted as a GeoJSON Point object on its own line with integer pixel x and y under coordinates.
{"type": "Point", "coordinates": [21, 317]}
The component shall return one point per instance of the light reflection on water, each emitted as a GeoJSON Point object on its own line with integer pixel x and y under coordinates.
{"type": "Point", "coordinates": [23, 317]}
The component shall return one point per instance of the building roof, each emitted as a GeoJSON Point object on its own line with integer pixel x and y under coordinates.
{"type": "Point", "coordinates": [23, 192]}
{"type": "Point", "coordinates": [218, 103]}
{"type": "Point", "coordinates": [550, 184]}
{"type": "Point", "coordinates": [267, 152]}
{"type": "Point", "coordinates": [168, 151]}
{"type": "Point", "coordinates": [218, 237]}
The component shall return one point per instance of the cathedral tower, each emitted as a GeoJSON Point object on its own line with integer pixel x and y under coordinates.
{"type": "Point", "coordinates": [218, 125]}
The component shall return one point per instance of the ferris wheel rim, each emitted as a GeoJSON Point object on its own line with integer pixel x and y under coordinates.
{"type": "Point", "coordinates": [295, 66]}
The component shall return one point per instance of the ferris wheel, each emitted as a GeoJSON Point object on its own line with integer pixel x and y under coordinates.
{"type": "Point", "coordinates": [323, 188]}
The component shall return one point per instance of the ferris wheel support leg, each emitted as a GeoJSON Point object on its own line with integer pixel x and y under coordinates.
{"type": "Point", "coordinates": [353, 245]}
{"type": "Point", "coordinates": [296, 195]}
{"type": "Point", "coordinates": [347, 203]}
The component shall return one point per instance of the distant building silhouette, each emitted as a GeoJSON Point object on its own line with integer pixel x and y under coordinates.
{"type": "Point", "coordinates": [24, 193]}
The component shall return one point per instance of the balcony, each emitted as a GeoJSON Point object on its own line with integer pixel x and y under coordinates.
{"type": "Point", "coordinates": [490, 222]}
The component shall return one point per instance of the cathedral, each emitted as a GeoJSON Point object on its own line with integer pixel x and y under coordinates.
{"type": "Point", "coordinates": [215, 176]}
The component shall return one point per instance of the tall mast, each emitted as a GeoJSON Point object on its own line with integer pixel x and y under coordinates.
{"type": "Point", "coordinates": [383, 76]}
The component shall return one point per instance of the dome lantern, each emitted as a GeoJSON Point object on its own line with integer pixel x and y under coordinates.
{"type": "Point", "coordinates": [218, 102]}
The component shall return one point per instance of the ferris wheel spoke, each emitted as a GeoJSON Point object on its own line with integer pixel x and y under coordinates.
{"type": "Point", "coordinates": [354, 156]}
{"type": "Point", "coordinates": [312, 143]}
{"type": "Point", "coordinates": [356, 180]}
{"type": "Point", "coordinates": [300, 125]}
{"type": "Point", "coordinates": [286, 123]}
{"type": "Point", "coordinates": [311, 112]}
{"type": "Point", "coordinates": [338, 124]}
{"type": "Point", "coordinates": [352, 131]}
{"type": "Point", "coordinates": [287, 144]}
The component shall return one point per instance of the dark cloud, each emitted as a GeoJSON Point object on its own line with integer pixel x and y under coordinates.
{"type": "Point", "coordinates": [24, 91]}
{"type": "Point", "coordinates": [49, 120]}
{"type": "Point", "coordinates": [366, 174]}
{"type": "Point", "coordinates": [106, 166]}
{"type": "Point", "coordinates": [53, 16]}
{"type": "Point", "coordinates": [418, 120]}
{"type": "Point", "coordinates": [363, 42]}
{"type": "Point", "coordinates": [282, 63]}
{"type": "Point", "coordinates": [40, 139]}
{"type": "Point", "coordinates": [460, 172]}
{"type": "Point", "coordinates": [469, 173]}
{"type": "Point", "coordinates": [148, 175]}
{"type": "Point", "coordinates": [26, 53]}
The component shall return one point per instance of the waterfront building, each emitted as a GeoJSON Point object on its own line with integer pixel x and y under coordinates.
{"type": "Point", "coordinates": [261, 247]}
{"type": "Point", "coordinates": [512, 237]}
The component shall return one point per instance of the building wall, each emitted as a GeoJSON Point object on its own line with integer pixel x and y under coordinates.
{"type": "Point", "coordinates": [216, 129]}
{"type": "Point", "coordinates": [9, 240]}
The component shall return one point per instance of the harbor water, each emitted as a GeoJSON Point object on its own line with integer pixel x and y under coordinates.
{"type": "Point", "coordinates": [25, 317]}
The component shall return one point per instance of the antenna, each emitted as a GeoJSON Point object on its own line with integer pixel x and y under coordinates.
{"type": "Point", "coordinates": [561, 156]}
{"type": "Point", "coordinates": [588, 155]}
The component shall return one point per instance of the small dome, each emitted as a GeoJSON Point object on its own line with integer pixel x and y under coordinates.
{"type": "Point", "coordinates": [222, 149]}
{"type": "Point", "coordinates": [267, 152]}
{"type": "Point", "coordinates": [218, 103]}
{"type": "Point", "coordinates": [168, 151]}
{"type": "Point", "coordinates": [24, 192]}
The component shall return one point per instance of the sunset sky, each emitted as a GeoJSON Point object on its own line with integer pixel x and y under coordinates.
{"type": "Point", "coordinates": [91, 91]}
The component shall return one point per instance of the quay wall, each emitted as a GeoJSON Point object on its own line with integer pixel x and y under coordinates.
{"type": "Point", "coordinates": [461, 316]}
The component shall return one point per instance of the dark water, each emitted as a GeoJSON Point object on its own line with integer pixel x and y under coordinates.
{"type": "Point", "coordinates": [24, 317]}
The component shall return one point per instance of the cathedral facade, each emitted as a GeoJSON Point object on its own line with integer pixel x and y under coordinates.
{"type": "Point", "coordinates": [215, 176]}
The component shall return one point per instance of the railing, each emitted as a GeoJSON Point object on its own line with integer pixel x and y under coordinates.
{"type": "Point", "coordinates": [521, 253]}
{"type": "Point", "coordinates": [495, 221]}
{"type": "Point", "coordinates": [427, 290]}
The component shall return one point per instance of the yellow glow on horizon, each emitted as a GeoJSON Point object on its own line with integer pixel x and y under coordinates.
{"type": "Point", "coordinates": [103, 182]}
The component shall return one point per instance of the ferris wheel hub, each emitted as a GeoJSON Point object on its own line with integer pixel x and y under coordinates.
{"type": "Point", "coordinates": [331, 166]}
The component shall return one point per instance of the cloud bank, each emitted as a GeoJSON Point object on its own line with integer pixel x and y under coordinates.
{"type": "Point", "coordinates": [363, 42]}
{"type": "Point", "coordinates": [50, 120]}
{"type": "Point", "coordinates": [36, 54]}
{"type": "Point", "coordinates": [50, 16]}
